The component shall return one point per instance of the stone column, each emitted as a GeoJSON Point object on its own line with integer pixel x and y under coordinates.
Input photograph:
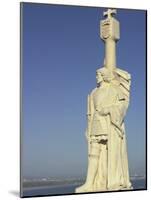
{"type": "Point", "coordinates": [110, 34]}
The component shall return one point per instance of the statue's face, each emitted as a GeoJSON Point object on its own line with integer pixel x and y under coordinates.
{"type": "Point", "coordinates": [103, 74]}
{"type": "Point", "coordinates": [99, 77]}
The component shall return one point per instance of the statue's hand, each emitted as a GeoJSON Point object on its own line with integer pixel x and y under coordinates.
{"type": "Point", "coordinates": [103, 111]}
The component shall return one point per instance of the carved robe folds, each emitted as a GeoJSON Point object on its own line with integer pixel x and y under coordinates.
{"type": "Point", "coordinates": [106, 111]}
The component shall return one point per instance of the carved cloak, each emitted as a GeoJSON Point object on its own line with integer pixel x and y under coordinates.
{"type": "Point", "coordinates": [113, 172]}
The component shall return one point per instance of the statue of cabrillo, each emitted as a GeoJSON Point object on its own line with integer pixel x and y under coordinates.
{"type": "Point", "coordinates": [107, 107]}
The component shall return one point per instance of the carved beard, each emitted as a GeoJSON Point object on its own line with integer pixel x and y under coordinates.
{"type": "Point", "coordinates": [99, 84]}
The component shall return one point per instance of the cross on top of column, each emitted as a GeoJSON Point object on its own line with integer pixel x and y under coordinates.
{"type": "Point", "coordinates": [109, 13]}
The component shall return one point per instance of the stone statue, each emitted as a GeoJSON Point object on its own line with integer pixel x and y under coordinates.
{"type": "Point", "coordinates": [107, 106]}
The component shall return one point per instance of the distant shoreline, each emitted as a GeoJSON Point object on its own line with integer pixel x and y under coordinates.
{"type": "Point", "coordinates": [60, 183]}
{"type": "Point", "coordinates": [50, 186]}
{"type": "Point", "coordinates": [50, 183]}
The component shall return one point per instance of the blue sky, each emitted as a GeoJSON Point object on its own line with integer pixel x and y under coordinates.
{"type": "Point", "coordinates": [61, 51]}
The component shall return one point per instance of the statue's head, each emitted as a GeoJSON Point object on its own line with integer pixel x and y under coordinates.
{"type": "Point", "coordinates": [104, 74]}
